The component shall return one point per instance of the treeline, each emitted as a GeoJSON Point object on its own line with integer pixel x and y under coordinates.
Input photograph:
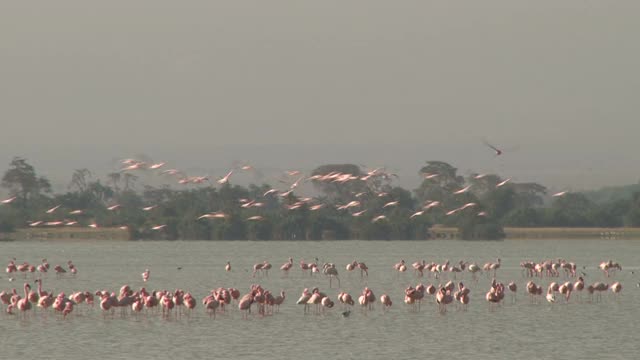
{"type": "Point", "coordinates": [352, 204]}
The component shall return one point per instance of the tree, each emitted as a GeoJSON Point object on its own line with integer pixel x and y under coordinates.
{"type": "Point", "coordinates": [573, 209]}
{"type": "Point", "coordinates": [114, 179]}
{"type": "Point", "coordinates": [129, 181]}
{"type": "Point", "coordinates": [79, 179]}
{"type": "Point", "coordinates": [22, 181]}
{"type": "Point", "coordinates": [632, 218]}
{"type": "Point", "coordinates": [441, 180]}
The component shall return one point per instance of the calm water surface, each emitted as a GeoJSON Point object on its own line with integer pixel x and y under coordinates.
{"type": "Point", "coordinates": [579, 330]}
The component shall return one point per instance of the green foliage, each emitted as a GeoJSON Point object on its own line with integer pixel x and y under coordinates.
{"type": "Point", "coordinates": [21, 180]}
{"type": "Point", "coordinates": [511, 204]}
{"type": "Point", "coordinates": [632, 217]}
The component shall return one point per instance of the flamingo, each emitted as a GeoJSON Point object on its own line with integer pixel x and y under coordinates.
{"type": "Point", "coordinates": [443, 298]}
{"type": "Point", "coordinates": [378, 218]}
{"type": "Point", "coordinates": [385, 300]}
{"type": "Point", "coordinates": [364, 270]}
{"type": "Point", "coordinates": [53, 209]}
{"type": "Point", "coordinates": [278, 300]}
{"type": "Point", "coordinates": [497, 151]}
{"type": "Point", "coordinates": [316, 299]}
{"type": "Point", "coordinates": [156, 166]}
{"type": "Point", "coordinates": [225, 179]}
{"type": "Point", "coordinates": [23, 304]}
{"type": "Point", "coordinates": [8, 201]}
{"type": "Point", "coordinates": [463, 190]}
{"type": "Point", "coordinates": [502, 183]}
{"type": "Point", "coordinates": [304, 298]}
{"type": "Point", "coordinates": [616, 287]}
{"type": "Point", "coordinates": [145, 275]}
{"type": "Point", "coordinates": [287, 266]}
{"type": "Point", "coordinates": [330, 269]}
{"type": "Point", "coordinates": [391, 203]}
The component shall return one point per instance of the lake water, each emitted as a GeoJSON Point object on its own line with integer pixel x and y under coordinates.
{"type": "Point", "coordinates": [578, 330]}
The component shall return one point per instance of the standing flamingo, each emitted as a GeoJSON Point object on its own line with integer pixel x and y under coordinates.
{"type": "Point", "coordinates": [23, 304]}
{"type": "Point", "coordinates": [385, 300]}
{"type": "Point", "coordinates": [287, 266]}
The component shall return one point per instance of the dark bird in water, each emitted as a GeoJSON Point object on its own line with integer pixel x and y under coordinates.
{"type": "Point", "coordinates": [348, 312]}
{"type": "Point", "coordinates": [583, 273]}
{"type": "Point", "coordinates": [179, 268]}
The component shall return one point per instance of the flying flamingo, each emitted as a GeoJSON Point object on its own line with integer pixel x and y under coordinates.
{"type": "Point", "coordinates": [391, 203]}
{"type": "Point", "coordinates": [463, 190]}
{"type": "Point", "coordinates": [498, 151]}
{"type": "Point", "coordinates": [378, 218]}
{"type": "Point", "coordinates": [502, 183]}
{"type": "Point", "coordinates": [156, 166]}
{"type": "Point", "coordinates": [8, 201]}
{"type": "Point", "coordinates": [225, 179]}
{"type": "Point", "coordinates": [50, 211]}
{"type": "Point", "coordinates": [559, 194]}
{"type": "Point", "coordinates": [359, 213]}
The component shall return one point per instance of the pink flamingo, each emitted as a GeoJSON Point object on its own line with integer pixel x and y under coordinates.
{"type": "Point", "coordinates": [316, 299]}
{"type": "Point", "coordinates": [167, 305]}
{"type": "Point", "coordinates": [189, 302]}
{"type": "Point", "coordinates": [145, 275]}
{"type": "Point", "coordinates": [326, 303]}
{"type": "Point", "coordinates": [287, 266]}
{"type": "Point", "coordinates": [211, 304]}
{"type": "Point", "coordinates": [245, 303]}
{"type": "Point", "coordinates": [304, 298]}
{"type": "Point", "coordinates": [225, 179]}
{"type": "Point", "coordinates": [23, 304]}
{"type": "Point", "coordinates": [443, 298]}
{"type": "Point", "coordinates": [68, 308]}
{"type": "Point", "coordinates": [364, 270]}
{"type": "Point", "coordinates": [385, 300]}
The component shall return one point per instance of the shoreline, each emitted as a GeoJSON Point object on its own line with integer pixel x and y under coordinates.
{"type": "Point", "coordinates": [434, 233]}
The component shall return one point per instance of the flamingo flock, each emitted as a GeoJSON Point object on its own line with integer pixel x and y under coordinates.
{"type": "Point", "coordinates": [68, 216]}
{"type": "Point", "coordinates": [443, 293]}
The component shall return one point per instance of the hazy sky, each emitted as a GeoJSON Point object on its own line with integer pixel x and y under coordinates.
{"type": "Point", "coordinates": [297, 83]}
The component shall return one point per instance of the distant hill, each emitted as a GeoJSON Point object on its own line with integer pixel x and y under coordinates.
{"type": "Point", "coordinates": [612, 193]}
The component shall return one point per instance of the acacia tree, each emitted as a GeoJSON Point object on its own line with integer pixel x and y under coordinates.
{"type": "Point", "coordinates": [22, 181]}
{"type": "Point", "coordinates": [80, 179]}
